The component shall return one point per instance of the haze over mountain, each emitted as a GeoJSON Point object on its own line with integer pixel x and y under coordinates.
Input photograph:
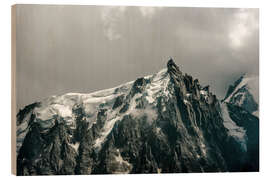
{"type": "Point", "coordinates": [62, 49]}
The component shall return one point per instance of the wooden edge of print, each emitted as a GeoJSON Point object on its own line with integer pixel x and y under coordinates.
{"type": "Point", "coordinates": [13, 89]}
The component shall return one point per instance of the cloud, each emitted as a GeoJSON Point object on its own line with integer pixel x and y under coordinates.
{"type": "Point", "coordinates": [110, 17]}
{"type": "Point", "coordinates": [244, 24]}
{"type": "Point", "coordinates": [113, 45]}
{"type": "Point", "coordinates": [149, 12]}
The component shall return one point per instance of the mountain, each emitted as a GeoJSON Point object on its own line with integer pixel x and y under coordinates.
{"type": "Point", "coordinates": [245, 93]}
{"type": "Point", "coordinates": [161, 123]}
{"type": "Point", "coordinates": [240, 109]}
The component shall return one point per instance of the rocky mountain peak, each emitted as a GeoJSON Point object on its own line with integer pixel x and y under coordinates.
{"type": "Point", "coordinates": [233, 86]}
{"type": "Point", "coordinates": [244, 93]}
{"type": "Point", "coordinates": [161, 123]}
{"type": "Point", "coordinates": [172, 67]}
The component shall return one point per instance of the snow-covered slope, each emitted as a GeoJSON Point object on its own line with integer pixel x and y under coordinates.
{"type": "Point", "coordinates": [63, 106]}
{"type": "Point", "coordinates": [239, 133]}
{"type": "Point", "coordinates": [245, 93]}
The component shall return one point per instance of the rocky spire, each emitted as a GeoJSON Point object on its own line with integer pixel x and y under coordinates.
{"type": "Point", "coordinates": [172, 67]}
{"type": "Point", "coordinates": [174, 70]}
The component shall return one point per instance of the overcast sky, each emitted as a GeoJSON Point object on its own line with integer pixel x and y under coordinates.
{"type": "Point", "coordinates": [63, 49]}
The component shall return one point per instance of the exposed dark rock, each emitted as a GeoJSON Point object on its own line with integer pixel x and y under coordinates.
{"type": "Point", "coordinates": [118, 101]}
{"type": "Point", "coordinates": [240, 94]}
{"type": "Point", "coordinates": [138, 86]}
{"type": "Point", "coordinates": [206, 88]}
{"type": "Point", "coordinates": [178, 129]}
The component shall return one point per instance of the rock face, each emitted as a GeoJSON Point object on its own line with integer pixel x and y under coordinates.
{"type": "Point", "coordinates": [241, 111]}
{"type": "Point", "coordinates": [162, 123]}
{"type": "Point", "coordinates": [245, 93]}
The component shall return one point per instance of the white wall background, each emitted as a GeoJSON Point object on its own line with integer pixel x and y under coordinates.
{"type": "Point", "coordinates": [5, 95]}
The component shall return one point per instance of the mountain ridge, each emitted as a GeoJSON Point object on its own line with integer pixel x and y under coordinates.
{"type": "Point", "coordinates": [160, 123]}
{"type": "Point", "coordinates": [245, 93]}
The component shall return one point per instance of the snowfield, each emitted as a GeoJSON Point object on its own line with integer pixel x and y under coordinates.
{"type": "Point", "coordinates": [235, 131]}
{"type": "Point", "coordinates": [63, 105]}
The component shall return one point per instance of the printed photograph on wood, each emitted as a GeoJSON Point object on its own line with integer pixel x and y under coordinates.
{"type": "Point", "coordinates": [130, 90]}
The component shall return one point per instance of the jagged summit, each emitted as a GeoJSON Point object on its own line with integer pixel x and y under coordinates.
{"type": "Point", "coordinates": [244, 93]}
{"type": "Point", "coordinates": [172, 67]}
{"type": "Point", "coordinates": [170, 63]}
{"type": "Point", "coordinates": [165, 122]}
{"type": "Point", "coordinates": [232, 87]}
